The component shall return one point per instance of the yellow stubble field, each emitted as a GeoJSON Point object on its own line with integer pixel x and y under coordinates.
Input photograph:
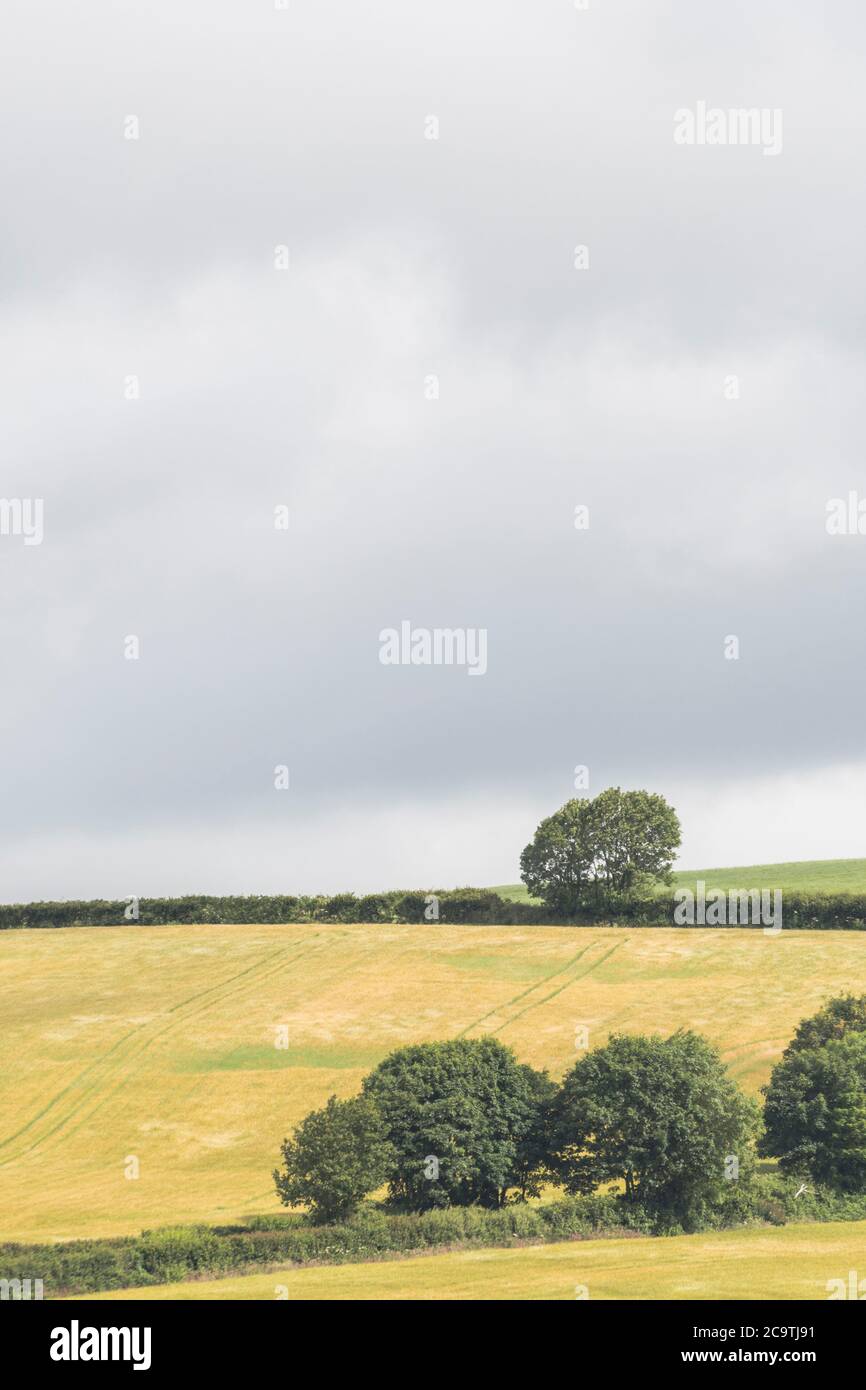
{"type": "Point", "coordinates": [150, 1073]}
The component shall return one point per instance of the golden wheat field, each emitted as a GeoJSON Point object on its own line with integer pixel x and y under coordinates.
{"type": "Point", "coordinates": [154, 1049]}
{"type": "Point", "coordinates": [796, 1262]}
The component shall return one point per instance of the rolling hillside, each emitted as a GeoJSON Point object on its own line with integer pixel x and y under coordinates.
{"type": "Point", "coordinates": [153, 1049]}
{"type": "Point", "coordinates": [804, 876]}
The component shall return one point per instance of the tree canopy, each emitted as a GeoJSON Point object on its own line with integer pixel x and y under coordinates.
{"type": "Point", "coordinates": [463, 1120]}
{"type": "Point", "coordinates": [602, 850]}
{"type": "Point", "coordinates": [338, 1155]}
{"type": "Point", "coordinates": [660, 1116]}
{"type": "Point", "coordinates": [840, 1016]}
{"type": "Point", "coordinates": [815, 1112]}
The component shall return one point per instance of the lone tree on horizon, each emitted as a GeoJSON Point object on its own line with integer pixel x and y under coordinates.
{"type": "Point", "coordinates": [600, 852]}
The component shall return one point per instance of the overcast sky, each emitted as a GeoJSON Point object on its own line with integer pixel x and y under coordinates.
{"type": "Point", "coordinates": [309, 387]}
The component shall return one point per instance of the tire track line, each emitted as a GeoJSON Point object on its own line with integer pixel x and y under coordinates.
{"type": "Point", "coordinates": [123, 1080]}
{"type": "Point", "coordinates": [316, 947]}
{"type": "Point", "coordinates": [539, 984]}
{"type": "Point", "coordinates": [573, 979]}
{"type": "Point", "coordinates": [124, 1050]}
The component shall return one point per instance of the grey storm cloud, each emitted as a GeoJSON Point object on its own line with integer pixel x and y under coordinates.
{"type": "Point", "coordinates": [409, 258]}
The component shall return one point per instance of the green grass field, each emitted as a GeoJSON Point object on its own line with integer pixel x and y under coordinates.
{"type": "Point", "coordinates": [794, 1262]}
{"type": "Point", "coordinates": [156, 1045]}
{"type": "Point", "coordinates": [807, 875]}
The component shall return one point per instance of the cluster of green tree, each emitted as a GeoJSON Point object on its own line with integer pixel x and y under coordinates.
{"type": "Point", "coordinates": [464, 1123]}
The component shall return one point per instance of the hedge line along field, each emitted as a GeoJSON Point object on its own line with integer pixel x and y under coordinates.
{"type": "Point", "coordinates": [801, 876]}
{"type": "Point", "coordinates": [152, 1050]}
{"type": "Point", "coordinates": [792, 1262]}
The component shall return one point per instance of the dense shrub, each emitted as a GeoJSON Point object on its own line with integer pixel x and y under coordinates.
{"type": "Point", "coordinates": [480, 906]}
{"type": "Point", "coordinates": [470, 905]}
{"type": "Point", "coordinates": [409, 907]}
{"type": "Point", "coordinates": [341, 908]}
{"type": "Point", "coordinates": [375, 907]}
{"type": "Point", "coordinates": [800, 912]}
{"type": "Point", "coordinates": [454, 905]}
{"type": "Point", "coordinates": [177, 1253]}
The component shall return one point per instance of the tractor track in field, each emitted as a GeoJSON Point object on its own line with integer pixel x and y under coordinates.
{"type": "Point", "coordinates": [498, 1008]}
{"type": "Point", "coordinates": [125, 1064]}
{"type": "Point", "coordinates": [539, 984]}
{"type": "Point", "coordinates": [320, 982]}
{"type": "Point", "coordinates": [131, 1047]}
{"type": "Point", "coordinates": [572, 979]}
{"type": "Point", "coordinates": [133, 1061]}
{"type": "Point", "coordinates": [102, 1079]}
